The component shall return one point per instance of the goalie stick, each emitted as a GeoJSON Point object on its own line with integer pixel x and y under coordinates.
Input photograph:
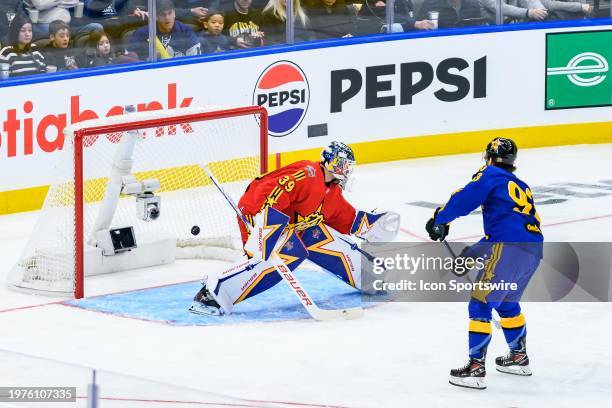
{"type": "Point", "coordinates": [448, 247]}
{"type": "Point", "coordinates": [296, 288]}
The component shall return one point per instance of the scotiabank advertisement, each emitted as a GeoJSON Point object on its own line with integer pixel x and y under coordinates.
{"type": "Point", "coordinates": [355, 93]}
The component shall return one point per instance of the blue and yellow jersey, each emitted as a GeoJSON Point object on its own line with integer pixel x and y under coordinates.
{"type": "Point", "coordinates": [508, 211]}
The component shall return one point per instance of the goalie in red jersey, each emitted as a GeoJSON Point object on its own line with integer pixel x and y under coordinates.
{"type": "Point", "coordinates": [320, 220]}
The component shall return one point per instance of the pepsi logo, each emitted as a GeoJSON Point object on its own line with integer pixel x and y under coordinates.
{"type": "Point", "coordinates": [283, 90]}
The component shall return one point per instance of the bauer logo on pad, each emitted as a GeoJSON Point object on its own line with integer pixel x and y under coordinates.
{"type": "Point", "coordinates": [283, 90]}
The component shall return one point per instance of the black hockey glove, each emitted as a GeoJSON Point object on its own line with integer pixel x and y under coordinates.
{"type": "Point", "coordinates": [437, 232]}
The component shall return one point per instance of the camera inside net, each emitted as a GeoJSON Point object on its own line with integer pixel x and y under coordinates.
{"type": "Point", "coordinates": [148, 205]}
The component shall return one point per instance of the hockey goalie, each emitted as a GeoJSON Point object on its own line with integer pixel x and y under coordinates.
{"type": "Point", "coordinates": [295, 213]}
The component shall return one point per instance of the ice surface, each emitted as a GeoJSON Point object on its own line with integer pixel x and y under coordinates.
{"type": "Point", "coordinates": [398, 355]}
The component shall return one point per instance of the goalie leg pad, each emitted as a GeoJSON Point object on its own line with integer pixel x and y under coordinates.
{"type": "Point", "coordinates": [292, 252]}
{"type": "Point", "coordinates": [334, 252]}
{"type": "Point", "coordinates": [267, 232]}
{"type": "Point", "coordinates": [255, 276]}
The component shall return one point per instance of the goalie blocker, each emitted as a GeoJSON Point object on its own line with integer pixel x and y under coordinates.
{"type": "Point", "coordinates": [336, 253]}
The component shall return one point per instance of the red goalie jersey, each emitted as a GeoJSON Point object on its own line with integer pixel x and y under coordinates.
{"type": "Point", "coordinates": [299, 190]}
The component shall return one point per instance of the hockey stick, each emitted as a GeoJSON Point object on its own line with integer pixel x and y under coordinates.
{"type": "Point", "coordinates": [355, 247]}
{"type": "Point", "coordinates": [296, 288]}
{"type": "Point", "coordinates": [448, 247]}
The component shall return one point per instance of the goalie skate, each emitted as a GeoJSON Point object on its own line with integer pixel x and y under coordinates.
{"type": "Point", "coordinates": [205, 304]}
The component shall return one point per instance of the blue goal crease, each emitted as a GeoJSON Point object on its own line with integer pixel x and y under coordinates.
{"type": "Point", "coordinates": [168, 304]}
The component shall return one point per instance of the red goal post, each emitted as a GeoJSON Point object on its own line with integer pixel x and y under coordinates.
{"type": "Point", "coordinates": [79, 290]}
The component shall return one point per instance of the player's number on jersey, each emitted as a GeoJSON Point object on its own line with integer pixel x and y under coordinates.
{"type": "Point", "coordinates": [286, 183]}
{"type": "Point", "coordinates": [523, 200]}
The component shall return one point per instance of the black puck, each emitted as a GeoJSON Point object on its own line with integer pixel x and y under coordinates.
{"type": "Point", "coordinates": [195, 230]}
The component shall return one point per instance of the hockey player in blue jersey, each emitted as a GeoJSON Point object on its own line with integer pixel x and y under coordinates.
{"type": "Point", "coordinates": [512, 246]}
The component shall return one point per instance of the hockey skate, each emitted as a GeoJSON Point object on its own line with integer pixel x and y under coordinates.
{"type": "Point", "coordinates": [471, 375]}
{"type": "Point", "coordinates": [204, 303]}
{"type": "Point", "coordinates": [515, 362]}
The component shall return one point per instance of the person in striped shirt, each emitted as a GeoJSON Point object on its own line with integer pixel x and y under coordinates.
{"type": "Point", "coordinates": [21, 54]}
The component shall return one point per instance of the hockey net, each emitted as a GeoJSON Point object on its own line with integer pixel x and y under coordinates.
{"type": "Point", "coordinates": [90, 199]}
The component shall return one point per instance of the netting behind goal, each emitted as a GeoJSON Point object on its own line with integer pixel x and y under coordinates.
{"type": "Point", "coordinates": [104, 156]}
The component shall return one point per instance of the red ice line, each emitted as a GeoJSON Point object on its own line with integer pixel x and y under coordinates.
{"type": "Point", "coordinates": [62, 302]}
{"type": "Point", "coordinates": [225, 404]}
{"type": "Point", "coordinates": [31, 306]}
{"type": "Point", "coordinates": [554, 224]}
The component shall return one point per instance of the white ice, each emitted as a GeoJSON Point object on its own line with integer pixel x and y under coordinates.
{"type": "Point", "coordinates": [398, 355]}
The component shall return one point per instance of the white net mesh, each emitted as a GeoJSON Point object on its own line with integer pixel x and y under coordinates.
{"type": "Point", "coordinates": [173, 155]}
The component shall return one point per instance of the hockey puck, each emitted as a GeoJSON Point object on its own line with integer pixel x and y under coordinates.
{"type": "Point", "coordinates": [195, 230]}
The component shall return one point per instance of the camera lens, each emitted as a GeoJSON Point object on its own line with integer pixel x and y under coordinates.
{"type": "Point", "coordinates": [152, 211]}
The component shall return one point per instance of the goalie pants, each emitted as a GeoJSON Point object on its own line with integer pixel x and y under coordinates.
{"type": "Point", "coordinates": [509, 263]}
{"type": "Point", "coordinates": [320, 244]}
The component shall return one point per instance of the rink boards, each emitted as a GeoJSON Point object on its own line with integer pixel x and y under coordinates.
{"type": "Point", "coordinates": [391, 97]}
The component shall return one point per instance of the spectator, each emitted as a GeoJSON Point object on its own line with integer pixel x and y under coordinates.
{"type": "Point", "coordinates": [100, 52]}
{"type": "Point", "coordinates": [174, 39]}
{"type": "Point", "coordinates": [260, 4]}
{"type": "Point", "coordinates": [22, 56]}
{"type": "Point", "coordinates": [567, 9]}
{"type": "Point", "coordinates": [516, 10]}
{"type": "Point", "coordinates": [4, 24]}
{"type": "Point", "coordinates": [48, 11]}
{"type": "Point", "coordinates": [212, 39]}
{"type": "Point", "coordinates": [453, 13]}
{"type": "Point", "coordinates": [59, 53]}
{"type": "Point", "coordinates": [115, 16]}
{"type": "Point", "coordinates": [331, 19]}
{"type": "Point", "coordinates": [194, 11]}
{"type": "Point", "coordinates": [242, 25]}
{"type": "Point", "coordinates": [8, 10]}
{"type": "Point", "coordinates": [274, 16]}
{"type": "Point", "coordinates": [372, 17]}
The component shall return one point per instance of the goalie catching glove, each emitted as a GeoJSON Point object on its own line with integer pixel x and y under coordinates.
{"type": "Point", "coordinates": [376, 227]}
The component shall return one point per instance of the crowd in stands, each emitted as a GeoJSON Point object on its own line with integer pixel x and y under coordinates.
{"type": "Point", "coordinates": [39, 36]}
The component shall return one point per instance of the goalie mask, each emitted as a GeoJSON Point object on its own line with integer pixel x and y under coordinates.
{"type": "Point", "coordinates": [339, 160]}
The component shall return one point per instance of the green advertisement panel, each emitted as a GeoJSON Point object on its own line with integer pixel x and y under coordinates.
{"type": "Point", "coordinates": [578, 69]}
